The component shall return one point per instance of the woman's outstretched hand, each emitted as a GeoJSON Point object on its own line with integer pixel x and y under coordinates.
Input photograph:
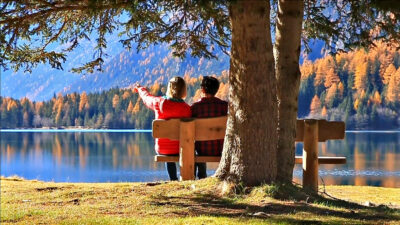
{"type": "Point", "coordinates": [135, 87]}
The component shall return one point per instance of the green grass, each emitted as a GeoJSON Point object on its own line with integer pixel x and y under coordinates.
{"type": "Point", "coordinates": [192, 202]}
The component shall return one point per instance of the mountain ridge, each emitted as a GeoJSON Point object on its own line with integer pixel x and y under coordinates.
{"type": "Point", "coordinates": [154, 64]}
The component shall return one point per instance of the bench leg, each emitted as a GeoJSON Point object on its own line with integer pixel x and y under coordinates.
{"type": "Point", "coordinates": [310, 155]}
{"type": "Point", "coordinates": [186, 150]}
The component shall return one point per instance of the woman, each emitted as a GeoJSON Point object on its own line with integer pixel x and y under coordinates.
{"type": "Point", "coordinates": [167, 107]}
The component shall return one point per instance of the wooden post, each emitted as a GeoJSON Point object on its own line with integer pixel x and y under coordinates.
{"type": "Point", "coordinates": [186, 149]}
{"type": "Point", "coordinates": [310, 155]}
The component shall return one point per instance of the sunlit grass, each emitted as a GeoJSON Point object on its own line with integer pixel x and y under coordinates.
{"type": "Point", "coordinates": [192, 202]}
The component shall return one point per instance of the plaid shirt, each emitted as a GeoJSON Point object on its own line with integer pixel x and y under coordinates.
{"type": "Point", "coordinates": [209, 107]}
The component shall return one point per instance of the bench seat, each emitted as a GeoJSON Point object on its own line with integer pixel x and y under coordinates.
{"type": "Point", "coordinates": [298, 160]}
{"type": "Point", "coordinates": [324, 160]}
{"type": "Point", "coordinates": [167, 158]}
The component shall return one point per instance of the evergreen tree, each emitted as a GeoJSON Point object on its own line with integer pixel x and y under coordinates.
{"type": "Point", "coordinates": [306, 95]}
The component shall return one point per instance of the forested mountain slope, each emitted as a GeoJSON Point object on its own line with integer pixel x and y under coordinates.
{"type": "Point", "coordinates": [360, 87]}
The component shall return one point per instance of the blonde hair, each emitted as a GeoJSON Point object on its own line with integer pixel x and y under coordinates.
{"type": "Point", "coordinates": [176, 88]}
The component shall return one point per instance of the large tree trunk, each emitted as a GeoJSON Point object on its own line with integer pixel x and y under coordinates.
{"type": "Point", "coordinates": [287, 53]}
{"type": "Point", "coordinates": [249, 154]}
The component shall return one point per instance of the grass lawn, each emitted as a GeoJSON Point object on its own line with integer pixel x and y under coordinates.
{"type": "Point", "coordinates": [192, 202]}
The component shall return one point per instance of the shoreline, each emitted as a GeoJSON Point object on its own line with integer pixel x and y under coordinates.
{"type": "Point", "coordinates": [74, 129]}
{"type": "Point", "coordinates": [87, 129]}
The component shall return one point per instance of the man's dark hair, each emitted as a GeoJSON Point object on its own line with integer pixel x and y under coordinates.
{"type": "Point", "coordinates": [210, 85]}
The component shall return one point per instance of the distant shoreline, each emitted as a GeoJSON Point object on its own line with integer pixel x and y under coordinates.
{"type": "Point", "coordinates": [81, 129]}
{"type": "Point", "coordinates": [75, 129]}
{"type": "Point", "coordinates": [372, 131]}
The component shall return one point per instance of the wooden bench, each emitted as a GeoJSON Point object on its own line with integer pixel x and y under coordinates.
{"type": "Point", "coordinates": [189, 130]}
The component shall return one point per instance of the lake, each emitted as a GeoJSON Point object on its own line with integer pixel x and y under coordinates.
{"type": "Point", "coordinates": [373, 158]}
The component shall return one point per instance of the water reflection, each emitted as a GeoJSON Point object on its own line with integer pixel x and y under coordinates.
{"type": "Point", "coordinates": [372, 158]}
{"type": "Point", "coordinates": [80, 157]}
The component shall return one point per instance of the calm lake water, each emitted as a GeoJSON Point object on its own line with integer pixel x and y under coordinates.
{"type": "Point", "coordinates": [373, 158]}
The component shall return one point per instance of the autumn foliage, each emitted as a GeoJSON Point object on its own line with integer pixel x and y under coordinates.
{"type": "Point", "coordinates": [361, 88]}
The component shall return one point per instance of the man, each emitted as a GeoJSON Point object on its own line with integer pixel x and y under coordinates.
{"type": "Point", "coordinates": [208, 106]}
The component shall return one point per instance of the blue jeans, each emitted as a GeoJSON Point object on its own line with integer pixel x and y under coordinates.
{"type": "Point", "coordinates": [171, 169]}
{"type": "Point", "coordinates": [201, 170]}
{"type": "Point", "coordinates": [200, 167]}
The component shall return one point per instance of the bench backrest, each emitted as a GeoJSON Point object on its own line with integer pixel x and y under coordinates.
{"type": "Point", "coordinates": [214, 128]}
{"type": "Point", "coordinates": [327, 130]}
{"type": "Point", "coordinates": [205, 129]}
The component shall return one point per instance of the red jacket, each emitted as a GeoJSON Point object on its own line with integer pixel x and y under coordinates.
{"type": "Point", "coordinates": [165, 109]}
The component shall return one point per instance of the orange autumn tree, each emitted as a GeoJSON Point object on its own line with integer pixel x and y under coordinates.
{"type": "Point", "coordinates": [390, 70]}
{"type": "Point", "coordinates": [115, 101]}
{"type": "Point", "coordinates": [315, 107]}
{"type": "Point", "coordinates": [83, 103]}
{"type": "Point", "coordinates": [130, 107]}
{"type": "Point", "coordinates": [360, 76]}
{"type": "Point", "coordinates": [331, 94]}
{"type": "Point", "coordinates": [331, 78]}
{"type": "Point", "coordinates": [393, 91]}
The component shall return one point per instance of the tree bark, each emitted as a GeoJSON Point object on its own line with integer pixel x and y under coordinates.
{"type": "Point", "coordinates": [249, 155]}
{"type": "Point", "coordinates": [287, 53]}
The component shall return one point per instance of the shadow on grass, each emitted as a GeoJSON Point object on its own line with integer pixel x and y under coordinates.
{"type": "Point", "coordinates": [293, 200]}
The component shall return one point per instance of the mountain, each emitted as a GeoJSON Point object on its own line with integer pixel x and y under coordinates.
{"type": "Point", "coordinates": [39, 85]}
{"type": "Point", "coordinates": [155, 63]}
{"type": "Point", "coordinates": [122, 68]}
{"type": "Point", "coordinates": [45, 81]}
